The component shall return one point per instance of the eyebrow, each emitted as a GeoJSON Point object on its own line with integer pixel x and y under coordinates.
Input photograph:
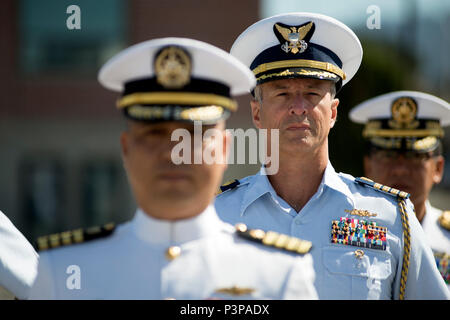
{"type": "Point", "coordinates": [316, 85]}
{"type": "Point", "coordinates": [280, 86]}
{"type": "Point", "coordinates": [309, 85]}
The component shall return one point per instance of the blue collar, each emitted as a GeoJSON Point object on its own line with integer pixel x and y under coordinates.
{"type": "Point", "coordinates": [259, 185]}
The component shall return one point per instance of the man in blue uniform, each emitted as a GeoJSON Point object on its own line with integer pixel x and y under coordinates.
{"type": "Point", "coordinates": [403, 130]}
{"type": "Point", "coordinates": [175, 247]}
{"type": "Point", "coordinates": [367, 243]}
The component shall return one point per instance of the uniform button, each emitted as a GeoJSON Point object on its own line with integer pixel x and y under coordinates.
{"type": "Point", "coordinates": [173, 252]}
{"type": "Point", "coordinates": [359, 254]}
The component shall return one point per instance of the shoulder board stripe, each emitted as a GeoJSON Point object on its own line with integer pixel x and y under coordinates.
{"type": "Point", "coordinates": [274, 239]}
{"type": "Point", "coordinates": [380, 187]}
{"type": "Point", "coordinates": [229, 185]}
{"type": "Point", "coordinates": [73, 237]}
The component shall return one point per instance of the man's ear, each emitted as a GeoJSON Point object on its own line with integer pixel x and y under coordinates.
{"type": "Point", "coordinates": [256, 108]}
{"type": "Point", "coordinates": [334, 106]}
{"type": "Point", "coordinates": [438, 169]}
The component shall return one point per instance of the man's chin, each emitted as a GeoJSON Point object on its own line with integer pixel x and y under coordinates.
{"type": "Point", "coordinates": [173, 198]}
{"type": "Point", "coordinates": [296, 144]}
{"type": "Point", "coordinates": [178, 200]}
{"type": "Point", "coordinates": [179, 191]}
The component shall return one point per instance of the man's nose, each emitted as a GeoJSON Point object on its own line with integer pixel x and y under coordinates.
{"type": "Point", "coordinates": [400, 166]}
{"type": "Point", "coordinates": [166, 147]}
{"type": "Point", "coordinates": [297, 105]}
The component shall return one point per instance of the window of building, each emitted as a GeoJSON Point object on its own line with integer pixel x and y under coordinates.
{"type": "Point", "coordinates": [48, 46]}
{"type": "Point", "coordinates": [42, 183]}
{"type": "Point", "coordinates": [100, 190]}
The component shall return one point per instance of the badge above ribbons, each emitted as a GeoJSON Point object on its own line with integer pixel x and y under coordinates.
{"type": "Point", "coordinates": [358, 233]}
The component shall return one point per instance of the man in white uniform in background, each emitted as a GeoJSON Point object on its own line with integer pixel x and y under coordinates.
{"type": "Point", "coordinates": [403, 130]}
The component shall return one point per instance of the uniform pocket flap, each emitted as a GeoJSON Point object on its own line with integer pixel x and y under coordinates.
{"type": "Point", "coordinates": [371, 264]}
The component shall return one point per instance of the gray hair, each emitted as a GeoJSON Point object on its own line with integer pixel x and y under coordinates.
{"type": "Point", "coordinates": [258, 94]}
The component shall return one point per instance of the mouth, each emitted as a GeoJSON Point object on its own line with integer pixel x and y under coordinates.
{"type": "Point", "coordinates": [298, 127]}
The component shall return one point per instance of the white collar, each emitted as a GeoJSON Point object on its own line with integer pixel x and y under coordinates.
{"type": "Point", "coordinates": [431, 213]}
{"type": "Point", "coordinates": [175, 232]}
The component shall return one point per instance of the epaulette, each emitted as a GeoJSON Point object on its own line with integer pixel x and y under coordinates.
{"type": "Point", "coordinates": [228, 186]}
{"type": "Point", "coordinates": [274, 239]}
{"type": "Point", "coordinates": [444, 220]}
{"type": "Point", "coordinates": [380, 187]}
{"type": "Point", "coordinates": [73, 237]}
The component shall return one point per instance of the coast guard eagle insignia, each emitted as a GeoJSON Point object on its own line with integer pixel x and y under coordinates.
{"type": "Point", "coordinates": [294, 39]}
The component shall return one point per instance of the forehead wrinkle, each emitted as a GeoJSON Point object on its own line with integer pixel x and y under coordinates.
{"type": "Point", "coordinates": [304, 82]}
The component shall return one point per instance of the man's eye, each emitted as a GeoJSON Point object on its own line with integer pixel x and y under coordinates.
{"type": "Point", "coordinates": [280, 94]}
{"type": "Point", "coordinates": [313, 94]}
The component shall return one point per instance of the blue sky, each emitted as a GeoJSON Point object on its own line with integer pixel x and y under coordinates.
{"type": "Point", "coordinates": [430, 42]}
{"type": "Point", "coordinates": [353, 12]}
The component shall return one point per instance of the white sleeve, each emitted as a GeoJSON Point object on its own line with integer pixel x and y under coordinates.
{"type": "Point", "coordinates": [300, 281]}
{"type": "Point", "coordinates": [43, 288]}
{"type": "Point", "coordinates": [18, 260]}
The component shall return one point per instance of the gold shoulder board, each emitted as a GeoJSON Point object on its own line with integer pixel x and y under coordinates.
{"type": "Point", "coordinates": [380, 187]}
{"type": "Point", "coordinates": [274, 239]}
{"type": "Point", "coordinates": [73, 237]}
{"type": "Point", "coordinates": [228, 186]}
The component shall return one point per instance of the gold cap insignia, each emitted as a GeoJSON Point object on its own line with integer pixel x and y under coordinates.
{"type": "Point", "coordinates": [235, 291]}
{"type": "Point", "coordinates": [404, 112]}
{"type": "Point", "coordinates": [295, 37]}
{"type": "Point", "coordinates": [173, 67]}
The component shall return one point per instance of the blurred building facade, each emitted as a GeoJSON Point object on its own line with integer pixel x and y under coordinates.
{"type": "Point", "coordinates": [60, 164]}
